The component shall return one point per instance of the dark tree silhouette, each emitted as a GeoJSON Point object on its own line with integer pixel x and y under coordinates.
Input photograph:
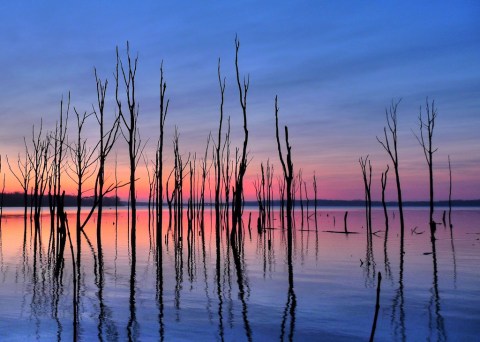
{"type": "Point", "coordinates": [83, 158]}
{"type": "Point", "coordinates": [227, 170]}
{"type": "Point", "coordinates": [287, 169]}
{"type": "Point", "coordinates": [449, 192]}
{"type": "Point", "coordinates": [390, 145]}
{"type": "Point", "coordinates": [242, 168]}
{"type": "Point", "coordinates": [159, 159]}
{"type": "Point", "coordinates": [56, 166]}
{"type": "Point", "coordinates": [106, 141]}
{"type": "Point", "coordinates": [218, 159]}
{"type": "Point", "coordinates": [129, 119]}
{"type": "Point", "coordinates": [377, 308]}
{"type": "Point", "coordinates": [384, 204]}
{"type": "Point", "coordinates": [425, 140]}
{"type": "Point", "coordinates": [315, 199]}
{"type": "Point", "coordinates": [367, 181]}
{"type": "Point", "coordinates": [23, 176]}
{"type": "Point", "coordinates": [38, 158]}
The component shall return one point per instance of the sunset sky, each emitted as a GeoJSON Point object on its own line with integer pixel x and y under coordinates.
{"type": "Point", "coordinates": [335, 67]}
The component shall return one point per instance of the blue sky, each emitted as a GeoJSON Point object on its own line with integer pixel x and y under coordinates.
{"type": "Point", "coordinates": [334, 65]}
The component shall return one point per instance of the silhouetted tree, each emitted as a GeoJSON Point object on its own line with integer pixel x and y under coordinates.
{"type": "Point", "coordinates": [287, 168]}
{"type": "Point", "coordinates": [107, 139]}
{"type": "Point", "coordinates": [227, 170]}
{"type": "Point", "coordinates": [384, 204]}
{"type": "Point", "coordinates": [367, 181]}
{"type": "Point", "coordinates": [315, 199]}
{"type": "Point", "coordinates": [449, 192]}
{"type": "Point", "coordinates": [23, 176]}
{"type": "Point", "coordinates": [390, 145]}
{"type": "Point", "coordinates": [159, 158]}
{"type": "Point", "coordinates": [130, 120]}
{"type": "Point", "coordinates": [425, 140]}
{"type": "Point", "coordinates": [83, 158]}
{"type": "Point", "coordinates": [218, 159]}
{"type": "Point", "coordinates": [38, 158]}
{"type": "Point", "coordinates": [57, 165]}
{"type": "Point", "coordinates": [242, 168]}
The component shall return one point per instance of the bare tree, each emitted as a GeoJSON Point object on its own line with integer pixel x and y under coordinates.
{"type": "Point", "coordinates": [205, 170]}
{"type": "Point", "coordinates": [449, 192]}
{"type": "Point", "coordinates": [269, 183]}
{"type": "Point", "coordinates": [281, 193]}
{"type": "Point", "coordinates": [315, 199]}
{"type": "Point", "coordinates": [425, 140]}
{"type": "Point", "coordinates": [83, 158]}
{"type": "Point", "coordinates": [390, 143]}
{"type": "Point", "coordinates": [227, 170]}
{"type": "Point", "coordinates": [23, 176]}
{"type": "Point", "coordinates": [287, 168]}
{"type": "Point", "coordinates": [242, 168]}
{"type": "Point", "coordinates": [58, 146]}
{"type": "Point", "coordinates": [159, 163]}
{"type": "Point", "coordinates": [106, 141]}
{"type": "Point", "coordinates": [129, 119]}
{"type": "Point", "coordinates": [38, 158]}
{"type": "Point", "coordinates": [300, 183]}
{"type": "Point", "coordinates": [367, 180]}
{"type": "Point", "coordinates": [384, 204]}
{"type": "Point", "coordinates": [218, 168]}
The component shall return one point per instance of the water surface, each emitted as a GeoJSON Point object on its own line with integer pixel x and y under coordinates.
{"type": "Point", "coordinates": [197, 292]}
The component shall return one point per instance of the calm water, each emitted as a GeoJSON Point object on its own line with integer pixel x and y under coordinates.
{"type": "Point", "coordinates": [200, 294]}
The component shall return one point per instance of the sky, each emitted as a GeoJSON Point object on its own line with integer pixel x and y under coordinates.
{"type": "Point", "coordinates": [335, 66]}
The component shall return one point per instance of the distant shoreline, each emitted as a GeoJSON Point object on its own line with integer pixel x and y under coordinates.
{"type": "Point", "coordinates": [16, 200]}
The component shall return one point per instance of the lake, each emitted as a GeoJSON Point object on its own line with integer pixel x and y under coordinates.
{"type": "Point", "coordinates": [205, 293]}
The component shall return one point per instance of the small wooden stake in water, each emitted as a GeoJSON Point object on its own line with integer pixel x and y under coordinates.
{"type": "Point", "coordinates": [377, 307]}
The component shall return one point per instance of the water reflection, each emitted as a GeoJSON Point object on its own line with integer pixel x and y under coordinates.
{"type": "Point", "coordinates": [291, 305]}
{"type": "Point", "coordinates": [242, 286]}
{"type": "Point", "coordinates": [398, 304]}
{"type": "Point", "coordinates": [436, 322]}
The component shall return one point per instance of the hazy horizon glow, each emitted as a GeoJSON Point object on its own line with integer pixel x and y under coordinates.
{"type": "Point", "coordinates": [334, 66]}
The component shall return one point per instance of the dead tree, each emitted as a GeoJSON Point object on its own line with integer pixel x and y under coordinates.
{"type": "Point", "coordinates": [179, 168]}
{"type": "Point", "coordinates": [384, 204]}
{"type": "Point", "coordinates": [315, 192]}
{"type": "Point", "coordinates": [287, 169]}
{"type": "Point", "coordinates": [367, 181]}
{"type": "Point", "coordinates": [300, 183]}
{"type": "Point", "coordinates": [59, 145]}
{"type": "Point", "coordinates": [449, 193]}
{"type": "Point", "coordinates": [23, 176]}
{"type": "Point", "coordinates": [425, 141]}
{"type": "Point", "coordinates": [281, 193]}
{"type": "Point", "coordinates": [259, 186]}
{"type": "Point", "coordinates": [130, 120]}
{"type": "Point", "coordinates": [218, 168]}
{"type": "Point", "coordinates": [269, 173]}
{"type": "Point", "coordinates": [106, 141]}
{"type": "Point", "coordinates": [390, 145]}
{"type": "Point", "coordinates": [38, 159]}
{"type": "Point", "coordinates": [159, 163]}
{"type": "Point", "coordinates": [242, 168]}
{"type": "Point", "coordinates": [205, 170]}
{"type": "Point", "coordinates": [83, 158]}
{"type": "Point", "coordinates": [227, 170]}
{"type": "Point", "coordinates": [151, 191]}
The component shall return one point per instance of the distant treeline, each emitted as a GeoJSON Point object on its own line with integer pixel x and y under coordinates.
{"type": "Point", "coordinates": [360, 203]}
{"type": "Point", "coordinates": [16, 199]}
